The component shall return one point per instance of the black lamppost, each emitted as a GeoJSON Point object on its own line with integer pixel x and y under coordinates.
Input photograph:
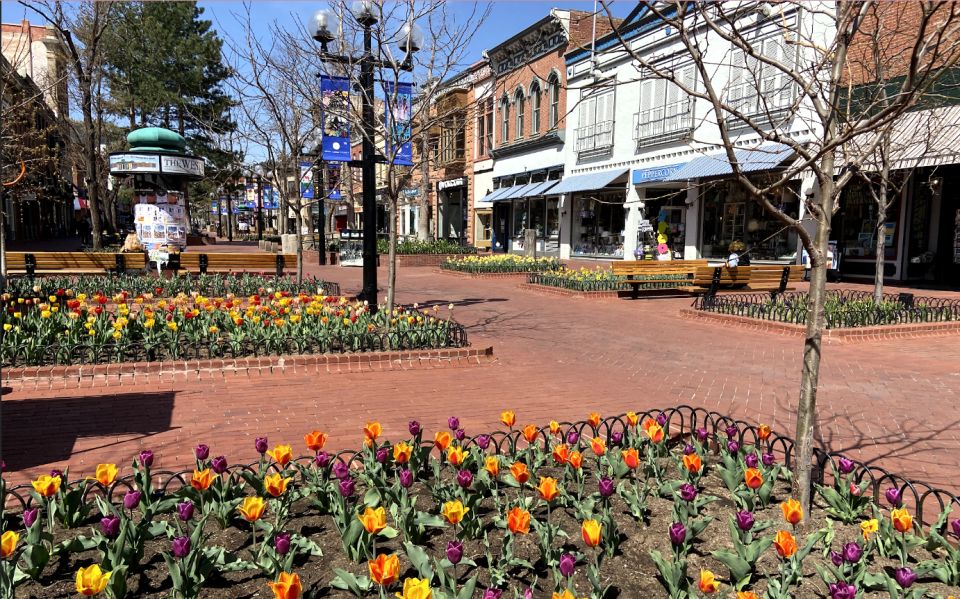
{"type": "Point", "coordinates": [367, 13]}
{"type": "Point", "coordinates": [259, 205]}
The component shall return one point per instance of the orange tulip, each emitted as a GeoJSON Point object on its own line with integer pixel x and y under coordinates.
{"type": "Point", "coordinates": [565, 594]}
{"type": "Point", "coordinates": [763, 432]}
{"type": "Point", "coordinates": [385, 570]}
{"type": "Point", "coordinates": [251, 509]}
{"type": "Point", "coordinates": [785, 544]}
{"type": "Point", "coordinates": [598, 445]}
{"type": "Point", "coordinates": [492, 465]}
{"type": "Point", "coordinates": [902, 520]}
{"type": "Point", "coordinates": [105, 474]}
{"type": "Point", "coordinates": [287, 586]}
{"type": "Point", "coordinates": [281, 454]}
{"type": "Point", "coordinates": [402, 452]}
{"type": "Point", "coordinates": [548, 488]}
{"type": "Point", "coordinates": [753, 478]}
{"type": "Point", "coordinates": [648, 423]}
{"type": "Point", "coordinates": [518, 521]}
{"type": "Point", "coordinates": [202, 479]}
{"type": "Point", "coordinates": [508, 418]}
{"type": "Point", "coordinates": [441, 440]}
{"type": "Point", "coordinates": [746, 595]}
{"type": "Point", "coordinates": [792, 512]}
{"type": "Point", "coordinates": [554, 428]}
{"type": "Point", "coordinates": [46, 486]}
{"type": "Point", "coordinates": [455, 455]}
{"type": "Point", "coordinates": [315, 440]}
{"type": "Point", "coordinates": [373, 520]}
{"type": "Point", "coordinates": [454, 511]}
{"type": "Point", "coordinates": [708, 582]}
{"type": "Point", "coordinates": [655, 432]}
{"type": "Point", "coordinates": [594, 419]}
{"type": "Point", "coordinates": [632, 419]}
{"type": "Point", "coordinates": [576, 460]}
{"type": "Point", "coordinates": [592, 532]}
{"type": "Point", "coordinates": [8, 543]}
{"type": "Point", "coordinates": [631, 458]}
{"type": "Point", "coordinates": [530, 433]}
{"type": "Point", "coordinates": [692, 463]}
{"type": "Point", "coordinates": [371, 432]}
{"type": "Point", "coordinates": [275, 485]}
{"type": "Point", "coordinates": [520, 472]}
{"type": "Point", "coordinates": [560, 454]}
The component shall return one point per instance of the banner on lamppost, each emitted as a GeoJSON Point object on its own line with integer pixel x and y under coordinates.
{"type": "Point", "coordinates": [398, 110]}
{"type": "Point", "coordinates": [306, 180]}
{"type": "Point", "coordinates": [335, 114]}
{"type": "Point", "coordinates": [331, 180]}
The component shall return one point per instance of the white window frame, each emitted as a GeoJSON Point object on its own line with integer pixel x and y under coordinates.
{"type": "Point", "coordinates": [519, 101]}
{"type": "Point", "coordinates": [596, 119]}
{"type": "Point", "coordinates": [666, 110]}
{"type": "Point", "coordinates": [536, 98]}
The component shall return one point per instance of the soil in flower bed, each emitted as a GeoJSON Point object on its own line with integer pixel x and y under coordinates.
{"type": "Point", "coordinates": [631, 572]}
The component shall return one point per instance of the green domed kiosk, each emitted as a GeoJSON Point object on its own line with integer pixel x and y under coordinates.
{"type": "Point", "coordinates": [160, 168]}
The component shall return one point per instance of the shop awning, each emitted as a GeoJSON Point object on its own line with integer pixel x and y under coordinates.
{"type": "Point", "coordinates": [764, 158]}
{"type": "Point", "coordinates": [493, 195]}
{"type": "Point", "coordinates": [515, 192]}
{"type": "Point", "coordinates": [589, 181]}
{"type": "Point", "coordinates": [919, 139]}
{"type": "Point", "coordinates": [541, 188]}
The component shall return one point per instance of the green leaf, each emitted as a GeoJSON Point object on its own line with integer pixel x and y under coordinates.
{"type": "Point", "coordinates": [739, 568]}
{"type": "Point", "coordinates": [419, 560]}
{"type": "Point", "coordinates": [466, 592]}
{"type": "Point", "coordinates": [388, 532]}
{"type": "Point", "coordinates": [426, 519]}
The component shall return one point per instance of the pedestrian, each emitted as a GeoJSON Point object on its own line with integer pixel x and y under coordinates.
{"type": "Point", "coordinates": [738, 255]}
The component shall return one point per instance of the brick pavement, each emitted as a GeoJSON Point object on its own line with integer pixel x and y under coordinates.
{"type": "Point", "coordinates": [892, 404]}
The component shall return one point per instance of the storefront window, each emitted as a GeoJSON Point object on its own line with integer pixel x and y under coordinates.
{"type": "Point", "coordinates": [730, 215]}
{"type": "Point", "coordinates": [858, 227]}
{"type": "Point", "coordinates": [520, 220]}
{"type": "Point", "coordinates": [665, 206]}
{"type": "Point", "coordinates": [538, 216]}
{"type": "Point", "coordinates": [598, 225]}
{"type": "Point", "coordinates": [553, 218]}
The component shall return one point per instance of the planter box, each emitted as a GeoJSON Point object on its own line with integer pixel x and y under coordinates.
{"type": "Point", "coordinates": [433, 260]}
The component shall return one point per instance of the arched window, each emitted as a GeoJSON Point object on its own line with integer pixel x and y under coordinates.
{"type": "Point", "coordinates": [505, 119]}
{"type": "Point", "coordinates": [554, 84]}
{"type": "Point", "coordinates": [535, 108]}
{"type": "Point", "coordinates": [519, 101]}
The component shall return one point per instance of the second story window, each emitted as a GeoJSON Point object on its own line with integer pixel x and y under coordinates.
{"type": "Point", "coordinates": [518, 99]}
{"type": "Point", "coordinates": [666, 111]}
{"type": "Point", "coordinates": [554, 86]}
{"type": "Point", "coordinates": [484, 127]}
{"type": "Point", "coordinates": [756, 87]}
{"type": "Point", "coordinates": [504, 120]}
{"type": "Point", "coordinates": [595, 130]}
{"type": "Point", "coordinates": [535, 108]}
{"type": "Point", "coordinates": [453, 139]}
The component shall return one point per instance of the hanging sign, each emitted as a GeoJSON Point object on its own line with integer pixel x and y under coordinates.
{"type": "Point", "coordinates": [398, 110]}
{"type": "Point", "coordinates": [335, 111]}
{"type": "Point", "coordinates": [306, 180]}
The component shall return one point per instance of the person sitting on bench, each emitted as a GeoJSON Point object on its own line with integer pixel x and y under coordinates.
{"type": "Point", "coordinates": [738, 255]}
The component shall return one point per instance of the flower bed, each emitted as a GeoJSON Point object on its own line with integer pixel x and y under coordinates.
{"type": "Point", "coordinates": [68, 328]}
{"type": "Point", "coordinates": [601, 279]}
{"type": "Point", "coordinates": [843, 309]}
{"type": "Point", "coordinates": [414, 246]}
{"type": "Point", "coordinates": [598, 508]}
{"type": "Point", "coordinates": [500, 263]}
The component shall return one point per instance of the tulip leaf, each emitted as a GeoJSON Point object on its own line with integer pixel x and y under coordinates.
{"type": "Point", "coordinates": [306, 545]}
{"type": "Point", "coordinates": [388, 532]}
{"type": "Point", "coordinates": [348, 582]}
{"type": "Point", "coordinates": [427, 519]}
{"type": "Point", "coordinates": [740, 569]}
{"type": "Point", "coordinates": [419, 559]}
{"type": "Point", "coordinates": [467, 590]}
{"type": "Point", "coordinates": [372, 497]}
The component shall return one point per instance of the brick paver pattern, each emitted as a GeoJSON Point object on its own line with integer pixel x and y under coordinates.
{"type": "Point", "coordinates": [891, 403]}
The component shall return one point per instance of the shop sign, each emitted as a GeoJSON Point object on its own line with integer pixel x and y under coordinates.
{"type": "Point", "coordinates": [134, 163]}
{"type": "Point", "coordinates": [182, 165]}
{"type": "Point", "coordinates": [451, 183]}
{"type": "Point", "coordinates": [645, 226]}
{"type": "Point", "coordinates": [648, 175]}
{"type": "Point", "coordinates": [411, 192]}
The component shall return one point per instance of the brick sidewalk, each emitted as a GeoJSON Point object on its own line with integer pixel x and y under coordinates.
{"type": "Point", "coordinates": [891, 404]}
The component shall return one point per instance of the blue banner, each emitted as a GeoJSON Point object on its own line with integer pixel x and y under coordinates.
{"type": "Point", "coordinates": [335, 111]}
{"type": "Point", "coordinates": [398, 111]}
{"type": "Point", "coordinates": [306, 180]}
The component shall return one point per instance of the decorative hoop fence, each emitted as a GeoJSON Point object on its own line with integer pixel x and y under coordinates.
{"type": "Point", "coordinates": [681, 421]}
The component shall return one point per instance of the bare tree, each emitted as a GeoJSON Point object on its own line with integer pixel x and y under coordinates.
{"type": "Point", "coordinates": [771, 69]}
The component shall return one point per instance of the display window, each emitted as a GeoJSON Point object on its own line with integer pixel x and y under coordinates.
{"type": "Point", "coordinates": [729, 215]}
{"type": "Point", "coordinates": [599, 220]}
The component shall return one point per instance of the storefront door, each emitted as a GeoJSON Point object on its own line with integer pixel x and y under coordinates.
{"type": "Point", "coordinates": [499, 240]}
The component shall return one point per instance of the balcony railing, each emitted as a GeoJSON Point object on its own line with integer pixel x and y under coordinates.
{"type": "Point", "coordinates": [664, 123]}
{"type": "Point", "coordinates": [595, 139]}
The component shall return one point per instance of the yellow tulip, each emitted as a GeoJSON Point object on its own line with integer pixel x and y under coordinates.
{"type": "Point", "coordinates": [8, 543]}
{"type": "Point", "coordinates": [591, 531]}
{"type": "Point", "coordinates": [373, 520]}
{"type": "Point", "coordinates": [91, 580]}
{"type": "Point", "coordinates": [46, 486]}
{"type": "Point", "coordinates": [275, 484]}
{"type": "Point", "coordinates": [415, 588]}
{"type": "Point", "coordinates": [252, 508]}
{"type": "Point", "coordinates": [454, 511]}
{"type": "Point", "coordinates": [106, 474]}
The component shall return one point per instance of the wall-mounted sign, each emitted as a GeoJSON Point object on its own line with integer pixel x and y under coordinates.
{"type": "Point", "coordinates": [451, 183]}
{"type": "Point", "coordinates": [134, 163]}
{"type": "Point", "coordinates": [181, 165]}
{"type": "Point", "coordinates": [649, 175]}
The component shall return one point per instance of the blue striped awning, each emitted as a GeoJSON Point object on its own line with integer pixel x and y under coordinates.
{"type": "Point", "coordinates": [493, 195]}
{"type": "Point", "coordinates": [589, 181]}
{"type": "Point", "coordinates": [516, 191]}
{"type": "Point", "coordinates": [764, 158]}
{"type": "Point", "coordinates": [541, 188]}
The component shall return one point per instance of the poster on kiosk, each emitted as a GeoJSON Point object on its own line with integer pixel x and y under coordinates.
{"type": "Point", "coordinates": [161, 220]}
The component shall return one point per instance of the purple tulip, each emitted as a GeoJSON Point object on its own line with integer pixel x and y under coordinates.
{"type": "Point", "coordinates": [956, 527]}
{"type": "Point", "coordinates": [662, 419]}
{"type": "Point", "coordinates": [733, 446]}
{"type": "Point", "coordinates": [701, 434]}
{"type": "Point", "coordinates": [745, 520]}
{"type": "Point", "coordinates": [322, 459]}
{"type": "Point", "coordinates": [768, 459]}
{"type": "Point", "coordinates": [905, 577]}
{"type": "Point", "coordinates": [852, 552]}
{"type": "Point", "coordinates": [751, 460]}
{"type": "Point", "coordinates": [688, 449]}
{"type": "Point", "coordinates": [56, 472]}
{"type": "Point", "coordinates": [3, 466]}
{"type": "Point", "coordinates": [568, 563]}
{"type": "Point", "coordinates": [181, 547]}
{"type": "Point", "coordinates": [281, 544]}
{"type": "Point", "coordinates": [836, 558]}
{"type": "Point", "coordinates": [110, 526]}
{"type": "Point", "coordinates": [731, 431]}
{"type": "Point", "coordinates": [453, 422]}
{"type": "Point", "coordinates": [414, 427]}
{"type": "Point", "coordinates": [606, 486]}
{"type": "Point", "coordinates": [465, 478]}
{"type": "Point", "coordinates": [185, 511]}
{"type": "Point", "coordinates": [845, 465]}
{"type": "Point", "coordinates": [528, 594]}
{"type": "Point", "coordinates": [382, 455]}
{"type": "Point", "coordinates": [492, 593]}
{"type": "Point", "coordinates": [893, 497]}
{"type": "Point", "coordinates": [219, 464]}
{"type": "Point", "coordinates": [842, 590]}
{"type": "Point", "coordinates": [341, 470]}
{"type": "Point", "coordinates": [678, 533]}
{"type": "Point", "coordinates": [483, 441]}
{"type": "Point", "coordinates": [455, 552]}
{"type": "Point", "coordinates": [131, 499]}
{"type": "Point", "coordinates": [688, 492]}
{"type": "Point", "coordinates": [202, 452]}
{"type": "Point", "coordinates": [146, 458]}
{"type": "Point", "coordinates": [573, 437]}
{"type": "Point", "coordinates": [406, 478]}
{"type": "Point", "coordinates": [347, 487]}
{"type": "Point", "coordinates": [616, 438]}
{"type": "Point", "coordinates": [29, 517]}
{"type": "Point", "coordinates": [261, 444]}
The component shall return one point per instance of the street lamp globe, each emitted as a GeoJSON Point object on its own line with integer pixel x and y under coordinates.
{"type": "Point", "coordinates": [411, 38]}
{"type": "Point", "coordinates": [324, 23]}
{"type": "Point", "coordinates": [366, 12]}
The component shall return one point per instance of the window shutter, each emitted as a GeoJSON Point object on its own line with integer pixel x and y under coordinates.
{"type": "Point", "coordinates": [646, 107]}
{"type": "Point", "coordinates": [737, 78]}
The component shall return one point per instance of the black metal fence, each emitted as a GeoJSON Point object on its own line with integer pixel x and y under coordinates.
{"type": "Point", "coordinates": [681, 421]}
{"type": "Point", "coordinates": [843, 308]}
{"type": "Point", "coordinates": [26, 354]}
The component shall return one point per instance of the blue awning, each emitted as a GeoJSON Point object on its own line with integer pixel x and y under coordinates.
{"type": "Point", "coordinates": [516, 191]}
{"type": "Point", "coordinates": [764, 158]}
{"type": "Point", "coordinates": [541, 188]}
{"type": "Point", "coordinates": [642, 176]}
{"type": "Point", "coordinates": [589, 181]}
{"type": "Point", "coordinates": [493, 195]}
{"type": "Point", "coordinates": [508, 193]}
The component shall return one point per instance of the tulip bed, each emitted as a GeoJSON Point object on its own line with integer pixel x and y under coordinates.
{"type": "Point", "coordinates": [609, 507]}
{"type": "Point", "coordinates": [600, 279]}
{"type": "Point", "coordinates": [500, 263]}
{"type": "Point", "coordinates": [68, 327]}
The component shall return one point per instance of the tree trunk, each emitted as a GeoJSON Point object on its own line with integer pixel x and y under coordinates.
{"type": "Point", "coordinates": [3, 243]}
{"type": "Point", "coordinates": [423, 222]}
{"type": "Point", "coordinates": [880, 242]}
{"type": "Point", "coordinates": [392, 266]}
{"type": "Point", "coordinates": [90, 160]}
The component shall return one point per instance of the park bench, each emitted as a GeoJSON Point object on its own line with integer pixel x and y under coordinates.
{"type": "Point", "coordinates": [44, 263]}
{"type": "Point", "coordinates": [775, 278]}
{"type": "Point", "coordinates": [226, 262]}
{"type": "Point", "coordinates": [646, 272]}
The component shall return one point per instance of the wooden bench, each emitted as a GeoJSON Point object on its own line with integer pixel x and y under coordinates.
{"type": "Point", "coordinates": [641, 272]}
{"type": "Point", "coordinates": [766, 277]}
{"type": "Point", "coordinates": [43, 263]}
{"type": "Point", "coordinates": [224, 262]}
